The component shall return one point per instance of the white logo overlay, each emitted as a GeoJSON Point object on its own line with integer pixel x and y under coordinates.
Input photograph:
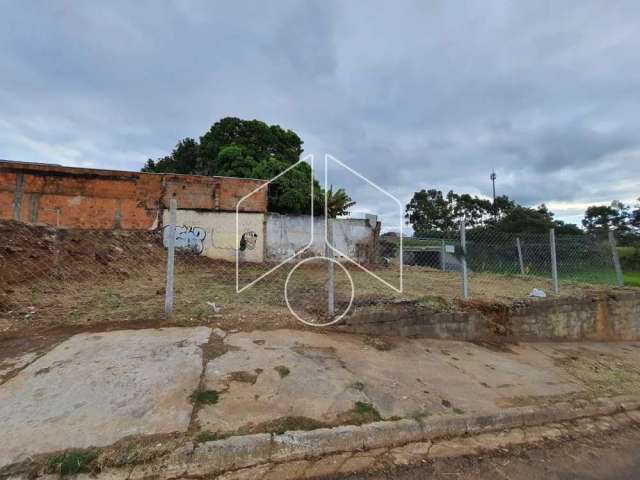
{"type": "Point", "coordinates": [344, 257]}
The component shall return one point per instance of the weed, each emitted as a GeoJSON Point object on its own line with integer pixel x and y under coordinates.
{"type": "Point", "coordinates": [206, 436]}
{"type": "Point", "coordinates": [208, 397]}
{"type": "Point", "coordinates": [71, 463]}
{"type": "Point", "coordinates": [367, 410]}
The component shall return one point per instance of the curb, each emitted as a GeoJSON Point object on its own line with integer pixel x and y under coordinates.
{"type": "Point", "coordinates": [234, 453]}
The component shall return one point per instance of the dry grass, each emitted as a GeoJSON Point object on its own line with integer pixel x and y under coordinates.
{"type": "Point", "coordinates": [137, 298]}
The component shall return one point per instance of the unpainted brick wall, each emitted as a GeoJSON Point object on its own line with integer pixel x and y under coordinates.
{"type": "Point", "coordinates": [104, 199]}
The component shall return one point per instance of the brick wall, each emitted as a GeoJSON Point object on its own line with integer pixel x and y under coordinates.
{"type": "Point", "coordinates": [105, 199]}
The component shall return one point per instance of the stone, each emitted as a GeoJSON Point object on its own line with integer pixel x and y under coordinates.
{"type": "Point", "coordinates": [218, 332]}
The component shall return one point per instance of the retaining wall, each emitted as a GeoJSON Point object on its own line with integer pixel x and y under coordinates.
{"type": "Point", "coordinates": [604, 315]}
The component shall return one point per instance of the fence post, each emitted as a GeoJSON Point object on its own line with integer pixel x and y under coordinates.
{"type": "Point", "coordinates": [171, 249]}
{"type": "Point", "coordinates": [554, 262]}
{"type": "Point", "coordinates": [520, 255]}
{"type": "Point", "coordinates": [331, 274]}
{"type": "Point", "coordinates": [616, 260]}
{"type": "Point", "coordinates": [463, 244]}
{"type": "Point", "coordinates": [443, 253]}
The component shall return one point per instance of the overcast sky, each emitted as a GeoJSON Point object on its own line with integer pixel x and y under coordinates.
{"type": "Point", "coordinates": [410, 94]}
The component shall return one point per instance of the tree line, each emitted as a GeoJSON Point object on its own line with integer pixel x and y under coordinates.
{"type": "Point", "coordinates": [432, 212]}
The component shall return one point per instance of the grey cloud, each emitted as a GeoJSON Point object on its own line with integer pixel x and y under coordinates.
{"type": "Point", "coordinates": [411, 94]}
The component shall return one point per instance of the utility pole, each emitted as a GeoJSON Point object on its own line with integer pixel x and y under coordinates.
{"type": "Point", "coordinates": [493, 182]}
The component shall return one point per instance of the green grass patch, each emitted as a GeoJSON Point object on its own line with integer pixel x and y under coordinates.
{"type": "Point", "coordinates": [367, 410]}
{"type": "Point", "coordinates": [206, 436]}
{"type": "Point", "coordinates": [632, 279]}
{"type": "Point", "coordinates": [282, 370]}
{"type": "Point", "coordinates": [207, 397]}
{"type": "Point", "coordinates": [71, 463]}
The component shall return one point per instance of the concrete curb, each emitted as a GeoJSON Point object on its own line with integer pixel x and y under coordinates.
{"type": "Point", "coordinates": [239, 452]}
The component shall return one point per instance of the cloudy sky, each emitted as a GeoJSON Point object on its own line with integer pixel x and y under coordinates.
{"type": "Point", "coordinates": [410, 94]}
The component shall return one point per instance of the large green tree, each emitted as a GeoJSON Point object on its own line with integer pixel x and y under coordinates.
{"type": "Point", "coordinates": [600, 218]}
{"type": "Point", "coordinates": [248, 149]}
{"type": "Point", "coordinates": [432, 211]}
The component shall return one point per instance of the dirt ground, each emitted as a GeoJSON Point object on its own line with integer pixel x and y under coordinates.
{"type": "Point", "coordinates": [81, 280]}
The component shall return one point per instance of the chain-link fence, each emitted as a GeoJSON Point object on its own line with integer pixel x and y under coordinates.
{"type": "Point", "coordinates": [81, 278]}
{"type": "Point", "coordinates": [504, 265]}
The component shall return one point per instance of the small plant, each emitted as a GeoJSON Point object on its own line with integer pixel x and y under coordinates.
{"type": "Point", "coordinates": [282, 370]}
{"type": "Point", "coordinates": [367, 410]}
{"type": "Point", "coordinates": [206, 436]}
{"type": "Point", "coordinates": [207, 397]}
{"type": "Point", "coordinates": [71, 463]}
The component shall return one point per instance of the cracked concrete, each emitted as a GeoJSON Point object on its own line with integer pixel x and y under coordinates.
{"type": "Point", "coordinates": [329, 372]}
{"type": "Point", "coordinates": [97, 388]}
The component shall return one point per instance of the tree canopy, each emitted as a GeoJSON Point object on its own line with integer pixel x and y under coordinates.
{"type": "Point", "coordinates": [615, 216]}
{"type": "Point", "coordinates": [430, 212]}
{"type": "Point", "coordinates": [251, 149]}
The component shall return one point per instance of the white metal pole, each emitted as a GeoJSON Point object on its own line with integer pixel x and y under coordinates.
{"type": "Point", "coordinates": [520, 261]}
{"type": "Point", "coordinates": [616, 260]}
{"type": "Point", "coordinates": [171, 248]}
{"type": "Point", "coordinates": [554, 261]}
{"type": "Point", "coordinates": [331, 274]}
{"type": "Point", "coordinates": [463, 244]}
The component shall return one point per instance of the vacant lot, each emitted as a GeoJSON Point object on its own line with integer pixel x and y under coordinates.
{"type": "Point", "coordinates": [82, 279]}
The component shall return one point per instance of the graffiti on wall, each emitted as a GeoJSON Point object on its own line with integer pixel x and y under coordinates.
{"type": "Point", "coordinates": [248, 240]}
{"type": "Point", "coordinates": [187, 238]}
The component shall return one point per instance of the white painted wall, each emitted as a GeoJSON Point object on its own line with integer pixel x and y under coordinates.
{"type": "Point", "coordinates": [214, 234]}
{"type": "Point", "coordinates": [288, 234]}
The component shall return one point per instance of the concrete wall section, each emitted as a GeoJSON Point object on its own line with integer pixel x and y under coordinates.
{"type": "Point", "coordinates": [602, 316]}
{"type": "Point", "coordinates": [288, 234]}
{"type": "Point", "coordinates": [213, 234]}
{"type": "Point", "coordinates": [597, 316]}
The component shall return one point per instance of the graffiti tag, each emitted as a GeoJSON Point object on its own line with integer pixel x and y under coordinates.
{"type": "Point", "coordinates": [248, 240]}
{"type": "Point", "coordinates": [187, 238]}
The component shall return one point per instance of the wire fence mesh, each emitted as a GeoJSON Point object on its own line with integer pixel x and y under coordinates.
{"type": "Point", "coordinates": [83, 277]}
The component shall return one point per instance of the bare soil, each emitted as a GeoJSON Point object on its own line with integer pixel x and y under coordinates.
{"type": "Point", "coordinates": [59, 281]}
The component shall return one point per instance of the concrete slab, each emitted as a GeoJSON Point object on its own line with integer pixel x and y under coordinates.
{"type": "Point", "coordinates": [96, 388]}
{"type": "Point", "coordinates": [270, 375]}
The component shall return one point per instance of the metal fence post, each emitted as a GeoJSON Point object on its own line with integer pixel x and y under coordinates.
{"type": "Point", "coordinates": [463, 244]}
{"type": "Point", "coordinates": [554, 262]}
{"type": "Point", "coordinates": [171, 249]}
{"type": "Point", "coordinates": [616, 260]}
{"type": "Point", "coordinates": [520, 255]}
{"type": "Point", "coordinates": [331, 274]}
{"type": "Point", "coordinates": [443, 253]}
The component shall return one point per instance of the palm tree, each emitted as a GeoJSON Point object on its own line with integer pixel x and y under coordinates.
{"type": "Point", "coordinates": [338, 202]}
